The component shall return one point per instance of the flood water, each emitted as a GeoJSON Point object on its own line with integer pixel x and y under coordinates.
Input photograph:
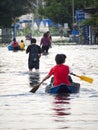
{"type": "Point", "coordinates": [22, 110]}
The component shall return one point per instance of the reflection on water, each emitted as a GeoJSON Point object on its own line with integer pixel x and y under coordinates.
{"type": "Point", "coordinates": [22, 110]}
{"type": "Point", "coordinates": [34, 78]}
{"type": "Point", "coordinates": [60, 105]}
{"type": "Point", "coordinates": [61, 108]}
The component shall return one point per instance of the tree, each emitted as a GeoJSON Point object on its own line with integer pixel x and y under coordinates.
{"type": "Point", "coordinates": [57, 10]}
{"type": "Point", "coordinates": [60, 11]}
{"type": "Point", "coordinates": [10, 10]}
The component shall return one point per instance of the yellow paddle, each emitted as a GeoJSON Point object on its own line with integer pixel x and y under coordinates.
{"type": "Point", "coordinates": [87, 79]}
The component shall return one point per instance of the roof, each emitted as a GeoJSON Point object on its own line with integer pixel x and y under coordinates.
{"type": "Point", "coordinates": [91, 10]}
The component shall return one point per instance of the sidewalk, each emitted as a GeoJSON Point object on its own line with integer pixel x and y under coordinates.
{"type": "Point", "coordinates": [60, 39]}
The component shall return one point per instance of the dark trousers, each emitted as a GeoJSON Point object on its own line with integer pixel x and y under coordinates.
{"type": "Point", "coordinates": [45, 48]}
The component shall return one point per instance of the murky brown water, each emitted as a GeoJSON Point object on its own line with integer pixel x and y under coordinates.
{"type": "Point", "coordinates": [22, 110]}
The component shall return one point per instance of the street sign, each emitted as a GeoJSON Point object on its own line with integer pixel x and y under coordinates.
{"type": "Point", "coordinates": [86, 34]}
{"type": "Point", "coordinates": [80, 15]}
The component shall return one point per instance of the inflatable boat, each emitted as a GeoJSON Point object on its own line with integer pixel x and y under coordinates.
{"type": "Point", "coordinates": [10, 48]}
{"type": "Point", "coordinates": [63, 89]}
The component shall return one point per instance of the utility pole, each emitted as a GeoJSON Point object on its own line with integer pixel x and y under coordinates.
{"type": "Point", "coordinates": [35, 6]}
{"type": "Point", "coordinates": [73, 11]}
{"type": "Point", "coordinates": [32, 24]}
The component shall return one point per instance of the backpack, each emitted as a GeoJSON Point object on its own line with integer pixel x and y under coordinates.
{"type": "Point", "coordinates": [34, 54]}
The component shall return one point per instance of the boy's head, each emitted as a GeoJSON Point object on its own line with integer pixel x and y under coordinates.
{"type": "Point", "coordinates": [21, 40]}
{"type": "Point", "coordinates": [60, 58]}
{"type": "Point", "coordinates": [33, 40]}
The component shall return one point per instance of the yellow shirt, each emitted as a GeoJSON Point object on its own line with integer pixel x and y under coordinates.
{"type": "Point", "coordinates": [22, 45]}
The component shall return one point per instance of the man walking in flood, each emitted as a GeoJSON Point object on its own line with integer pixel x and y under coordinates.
{"type": "Point", "coordinates": [34, 51]}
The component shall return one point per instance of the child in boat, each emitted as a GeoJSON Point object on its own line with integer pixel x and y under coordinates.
{"type": "Point", "coordinates": [60, 72]}
{"type": "Point", "coordinates": [15, 44]}
{"type": "Point", "coordinates": [22, 45]}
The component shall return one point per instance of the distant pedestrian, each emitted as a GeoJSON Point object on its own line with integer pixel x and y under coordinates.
{"type": "Point", "coordinates": [34, 51]}
{"type": "Point", "coordinates": [50, 38]}
{"type": "Point", "coordinates": [61, 32]}
{"type": "Point", "coordinates": [45, 43]}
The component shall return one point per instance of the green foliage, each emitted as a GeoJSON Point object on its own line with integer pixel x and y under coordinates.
{"type": "Point", "coordinates": [11, 9]}
{"type": "Point", "coordinates": [91, 21]}
{"type": "Point", "coordinates": [60, 11]}
{"type": "Point", "coordinates": [55, 10]}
